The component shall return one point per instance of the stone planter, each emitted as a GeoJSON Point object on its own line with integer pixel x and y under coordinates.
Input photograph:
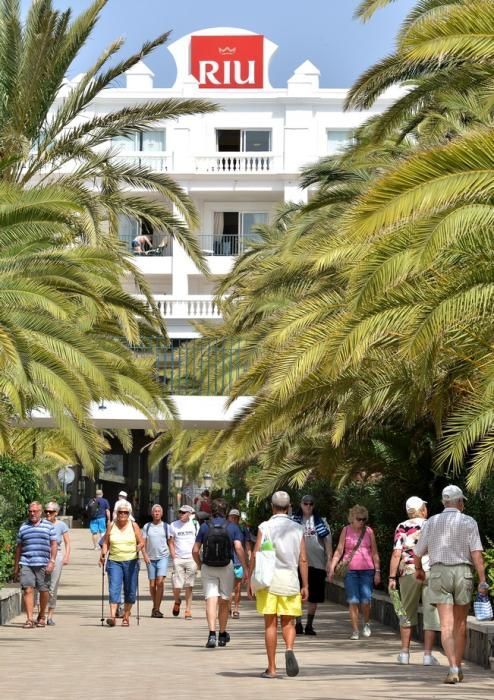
{"type": "Point", "coordinates": [10, 604]}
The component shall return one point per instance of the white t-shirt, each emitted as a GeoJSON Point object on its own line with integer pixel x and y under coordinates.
{"type": "Point", "coordinates": [184, 537]}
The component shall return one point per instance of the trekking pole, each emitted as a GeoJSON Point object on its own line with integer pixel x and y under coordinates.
{"type": "Point", "coordinates": [103, 594]}
{"type": "Point", "coordinates": [137, 592]}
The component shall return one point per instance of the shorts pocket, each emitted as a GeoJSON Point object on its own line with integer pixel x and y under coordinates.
{"type": "Point", "coordinates": [435, 583]}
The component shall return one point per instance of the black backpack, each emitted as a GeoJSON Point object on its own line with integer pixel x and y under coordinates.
{"type": "Point", "coordinates": [217, 545]}
{"type": "Point", "coordinates": [92, 508]}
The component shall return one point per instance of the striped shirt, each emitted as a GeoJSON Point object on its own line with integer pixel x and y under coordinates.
{"type": "Point", "coordinates": [35, 541]}
{"type": "Point", "coordinates": [449, 538]}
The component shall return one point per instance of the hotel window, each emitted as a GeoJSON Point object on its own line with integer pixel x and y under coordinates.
{"type": "Point", "coordinates": [338, 139]}
{"type": "Point", "coordinates": [233, 231]}
{"type": "Point", "coordinates": [243, 140]}
{"type": "Point", "coordinates": [141, 141]}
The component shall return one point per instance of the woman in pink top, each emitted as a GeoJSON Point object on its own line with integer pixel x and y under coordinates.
{"type": "Point", "coordinates": [363, 570]}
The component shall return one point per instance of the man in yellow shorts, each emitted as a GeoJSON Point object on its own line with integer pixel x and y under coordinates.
{"type": "Point", "coordinates": [284, 596]}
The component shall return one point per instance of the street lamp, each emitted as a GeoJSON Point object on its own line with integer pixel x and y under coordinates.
{"type": "Point", "coordinates": [178, 482]}
{"type": "Point", "coordinates": [208, 480]}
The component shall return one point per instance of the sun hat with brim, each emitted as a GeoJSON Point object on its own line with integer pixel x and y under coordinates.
{"type": "Point", "coordinates": [234, 511]}
{"type": "Point", "coordinates": [186, 509]}
{"type": "Point", "coordinates": [453, 493]}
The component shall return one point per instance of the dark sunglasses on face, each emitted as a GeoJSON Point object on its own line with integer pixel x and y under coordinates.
{"type": "Point", "coordinates": [361, 520]}
{"type": "Point", "coordinates": [123, 512]}
{"type": "Point", "coordinates": [307, 503]}
{"type": "Point", "coordinates": [50, 511]}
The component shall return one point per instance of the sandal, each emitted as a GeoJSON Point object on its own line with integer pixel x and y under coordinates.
{"type": "Point", "coordinates": [28, 625]}
{"type": "Point", "coordinates": [125, 622]}
{"type": "Point", "coordinates": [156, 613]}
{"type": "Point", "coordinates": [188, 615]}
{"type": "Point", "coordinates": [111, 622]}
{"type": "Point", "coordinates": [236, 614]}
{"type": "Point", "coordinates": [40, 621]}
{"type": "Point", "coordinates": [176, 608]}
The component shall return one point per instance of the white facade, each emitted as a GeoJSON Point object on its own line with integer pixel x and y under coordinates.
{"type": "Point", "coordinates": [238, 164]}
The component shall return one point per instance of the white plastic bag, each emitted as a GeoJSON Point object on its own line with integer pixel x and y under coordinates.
{"type": "Point", "coordinates": [265, 564]}
{"type": "Point", "coordinates": [482, 607]}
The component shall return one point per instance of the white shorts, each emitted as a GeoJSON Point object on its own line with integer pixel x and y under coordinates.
{"type": "Point", "coordinates": [184, 573]}
{"type": "Point", "coordinates": [217, 581]}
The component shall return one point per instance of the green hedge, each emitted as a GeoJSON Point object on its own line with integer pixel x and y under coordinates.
{"type": "Point", "coordinates": [20, 483]}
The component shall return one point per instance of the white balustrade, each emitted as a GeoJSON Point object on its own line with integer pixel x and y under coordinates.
{"type": "Point", "coordinates": [194, 307]}
{"type": "Point", "coordinates": [158, 162]}
{"type": "Point", "coordinates": [238, 162]}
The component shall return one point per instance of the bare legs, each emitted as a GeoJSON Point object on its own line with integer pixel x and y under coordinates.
{"type": "Point", "coordinates": [453, 631]}
{"type": "Point", "coordinates": [271, 637]}
{"type": "Point", "coordinates": [406, 635]}
{"type": "Point", "coordinates": [188, 596]}
{"type": "Point", "coordinates": [216, 606]}
{"type": "Point", "coordinates": [28, 600]}
{"type": "Point", "coordinates": [156, 588]}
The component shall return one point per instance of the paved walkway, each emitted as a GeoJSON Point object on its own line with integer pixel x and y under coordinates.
{"type": "Point", "coordinates": [167, 659]}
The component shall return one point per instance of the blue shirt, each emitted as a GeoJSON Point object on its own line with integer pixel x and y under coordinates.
{"type": "Point", "coordinates": [103, 506]}
{"type": "Point", "coordinates": [60, 528]}
{"type": "Point", "coordinates": [35, 541]}
{"type": "Point", "coordinates": [232, 529]}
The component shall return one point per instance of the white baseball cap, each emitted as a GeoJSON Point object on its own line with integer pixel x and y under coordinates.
{"type": "Point", "coordinates": [186, 509]}
{"type": "Point", "coordinates": [234, 511]}
{"type": "Point", "coordinates": [414, 503]}
{"type": "Point", "coordinates": [453, 493]}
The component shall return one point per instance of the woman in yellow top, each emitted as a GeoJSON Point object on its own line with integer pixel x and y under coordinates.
{"type": "Point", "coordinates": [122, 541]}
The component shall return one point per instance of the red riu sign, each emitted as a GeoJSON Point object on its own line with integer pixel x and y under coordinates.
{"type": "Point", "coordinates": [227, 61]}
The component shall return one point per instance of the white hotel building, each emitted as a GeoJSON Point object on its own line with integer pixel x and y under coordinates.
{"type": "Point", "coordinates": [238, 165]}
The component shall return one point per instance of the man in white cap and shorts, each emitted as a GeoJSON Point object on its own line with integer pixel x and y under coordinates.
{"type": "Point", "coordinates": [182, 536]}
{"type": "Point", "coordinates": [452, 541]}
{"type": "Point", "coordinates": [412, 591]}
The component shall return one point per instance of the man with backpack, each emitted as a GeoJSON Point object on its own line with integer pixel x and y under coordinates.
{"type": "Point", "coordinates": [156, 555]}
{"type": "Point", "coordinates": [98, 513]}
{"type": "Point", "coordinates": [218, 539]}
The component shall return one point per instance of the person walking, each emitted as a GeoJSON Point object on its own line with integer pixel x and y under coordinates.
{"type": "Point", "coordinates": [156, 555]}
{"type": "Point", "coordinates": [357, 547]}
{"type": "Point", "coordinates": [283, 599]}
{"type": "Point", "coordinates": [412, 591]}
{"type": "Point", "coordinates": [35, 556]}
{"type": "Point", "coordinates": [98, 511]}
{"type": "Point", "coordinates": [122, 542]}
{"type": "Point", "coordinates": [319, 549]}
{"type": "Point", "coordinates": [182, 537]}
{"type": "Point", "coordinates": [218, 538]}
{"type": "Point", "coordinates": [52, 510]}
{"type": "Point", "coordinates": [452, 541]}
{"type": "Point", "coordinates": [238, 571]}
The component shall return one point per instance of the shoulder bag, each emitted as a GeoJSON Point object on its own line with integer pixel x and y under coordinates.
{"type": "Point", "coordinates": [341, 568]}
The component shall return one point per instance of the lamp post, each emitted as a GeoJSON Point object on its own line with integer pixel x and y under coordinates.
{"type": "Point", "coordinates": [208, 480]}
{"type": "Point", "coordinates": [178, 482]}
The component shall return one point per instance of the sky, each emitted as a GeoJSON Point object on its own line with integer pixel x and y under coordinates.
{"type": "Point", "coordinates": [322, 31]}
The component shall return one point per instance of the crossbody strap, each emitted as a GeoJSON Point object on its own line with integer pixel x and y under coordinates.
{"type": "Point", "coordinates": [359, 542]}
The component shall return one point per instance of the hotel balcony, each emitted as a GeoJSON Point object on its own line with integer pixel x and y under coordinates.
{"type": "Point", "coordinates": [239, 163]}
{"type": "Point", "coordinates": [159, 162]}
{"type": "Point", "coordinates": [195, 307]}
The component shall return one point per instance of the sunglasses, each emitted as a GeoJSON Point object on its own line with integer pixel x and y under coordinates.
{"type": "Point", "coordinates": [361, 520]}
{"type": "Point", "coordinates": [307, 503]}
{"type": "Point", "coordinates": [33, 512]}
{"type": "Point", "coordinates": [123, 512]}
{"type": "Point", "coordinates": [48, 512]}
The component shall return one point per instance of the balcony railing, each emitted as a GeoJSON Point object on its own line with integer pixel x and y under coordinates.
{"type": "Point", "coordinates": [194, 307]}
{"type": "Point", "coordinates": [236, 163]}
{"type": "Point", "coordinates": [225, 245]}
{"type": "Point", "coordinates": [161, 245]}
{"type": "Point", "coordinates": [159, 162]}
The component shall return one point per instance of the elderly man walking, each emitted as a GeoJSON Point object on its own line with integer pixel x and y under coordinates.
{"type": "Point", "coordinates": [284, 596]}
{"type": "Point", "coordinates": [35, 557]}
{"type": "Point", "coordinates": [453, 543]}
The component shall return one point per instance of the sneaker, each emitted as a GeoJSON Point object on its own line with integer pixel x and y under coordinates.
{"type": "Point", "coordinates": [366, 630]}
{"type": "Point", "coordinates": [404, 657]}
{"type": "Point", "coordinates": [310, 631]}
{"type": "Point", "coordinates": [299, 628]}
{"type": "Point", "coordinates": [355, 635]}
{"type": "Point", "coordinates": [50, 622]}
{"type": "Point", "coordinates": [452, 678]}
{"type": "Point", "coordinates": [430, 660]}
{"type": "Point", "coordinates": [223, 639]}
{"type": "Point", "coordinates": [211, 643]}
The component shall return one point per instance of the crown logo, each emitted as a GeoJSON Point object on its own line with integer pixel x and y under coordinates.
{"type": "Point", "coordinates": [227, 51]}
